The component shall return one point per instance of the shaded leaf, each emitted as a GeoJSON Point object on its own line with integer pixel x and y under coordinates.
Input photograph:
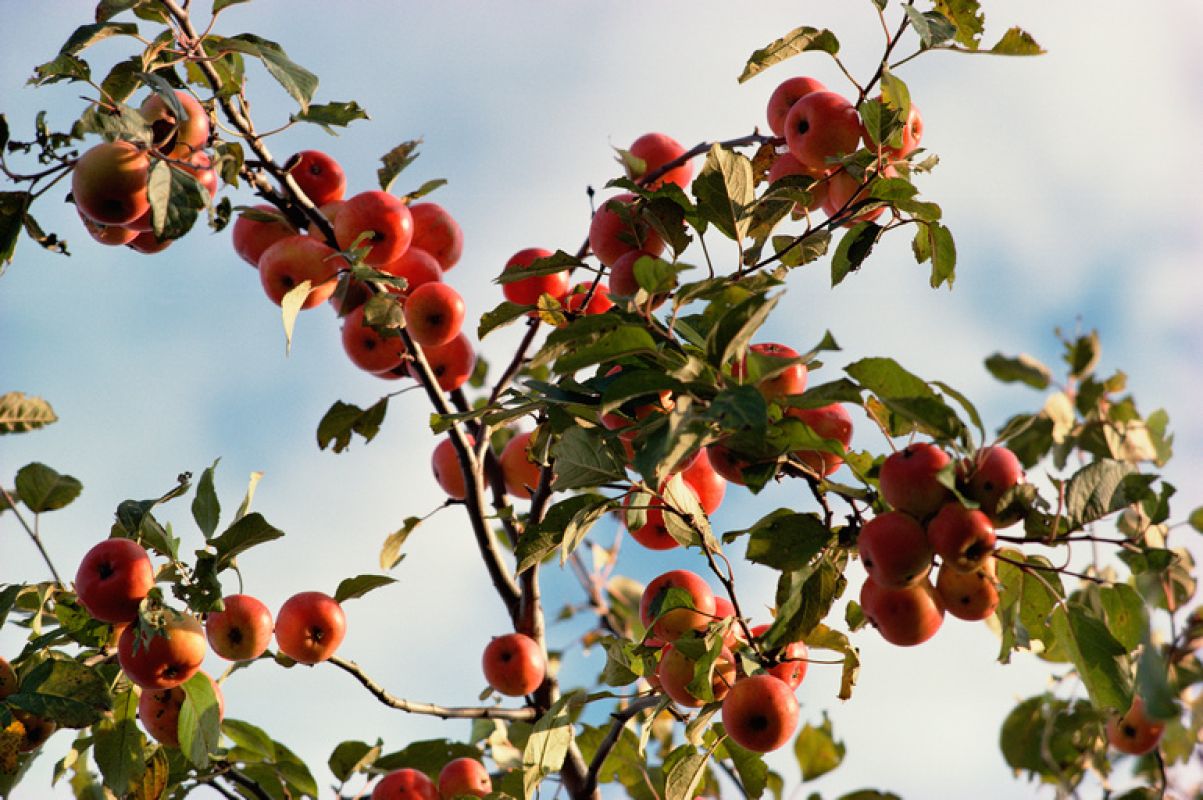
{"type": "Point", "coordinates": [206, 509]}
{"type": "Point", "coordinates": [43, 489]}
{"type": "Point", "coordinates": [817, 750]}
{"type": "Point", "coordinates": [118, 744]}
{"type": "Point", "coordinates": [799, 40]}
{"type": "Point", "coordinates": [350, 588]}
{"type": "Point", "coordinates": [200, 720]}
{"type": "Point", "coordinates": [247, 532]}
{"type": "Point", "coordinates": [396, 160]}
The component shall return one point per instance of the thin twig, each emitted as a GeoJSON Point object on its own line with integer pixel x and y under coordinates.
{"type": "Point", "coordinates": [37, 540]}
{"type": "Point", "coordinates": [619, 720]}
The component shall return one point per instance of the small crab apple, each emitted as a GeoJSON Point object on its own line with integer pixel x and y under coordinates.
{"type": "Point", "coordinates": [969, 595]}
{"type": "Point", "coordinates": [962, 537]}
{"type": "Point", "coordinates": [599, 303]}
{"type": "Point", "coordinates": [147, 243]}
{"type": "Point", "coordinates": [612, 234]}
{"type": "Point", "coordinates": [200, 166]}
{"type": "Point", "coordinates": [904, 617]}
{"type": "Point", "coordinates": [176, 138]}
{"type": "Point", "coordinates": [820, 126]}
{"type": "Point", "coordinates": [786, 165]}
{"type": "Point", "coordinates": [320, 177]}
{"type": "Point", "coordinates": [783, 98]}
{"type": "Point", "coordinates": [760, 713]}
{"type": "Point", "coordinates": [434, 314]}
{"type": "Point", "coordinates": [367, 348]}
{"type": "Point", "coordinates": [241, 631]}
{"type": "Point", "coordinates": [310, 626]}
{"type": "Point", "coordinates": [417, 267]}
{"type": "Point", "coordinates": [908, 479]}
{"type": "Point", "coordinates": [655, 150]}
{"type": "Point", "coordinates": [406, 783]}
{"type": "Point", "coordinates": [464, 776]}
{"type": "Point", "coordinates": [8, 678]}
{"type": "Point", "coordinates": [159, 711]}
{"type": "Point", "coordinates": [108, 183]}
{"type": "Point", "coordinates": [831, 422]}
{"type": "Point", "coordinates": [291, 261]}
{"type": "Point", "coordinates": [843, 192]}
{"type": "Point", "coordinates": [437, 232]}
{"type": "Point", "coordinates": [676, 673]}
{"type": "Point", "coordinates": [1134, 732]}
{"type": "Point", "coordinates": [912, 133]}
{"type": "Point", "coordinates": [989, 475]}
{"type": "Point", "coordinates": [166, 660]}
{"type": "Point", "coordinates": [527, 291]}
{"type": "Point", "coordinates": [793, 658]}
{"type": "Point", "coordinates": [622, 277]}
{"type": "Point", "coordinates": [727, 463]}
{"type": "Point", "coordinates": [113, 579]}
{"type": "Point", "coordinates": [706, 482]}
{"type": "Point", "coordinates": [521, 473]}
{"type": "Point", "coordinates": [112, 235]}
{"type": "Point", "coordinates": [452, 363]}
{"type": "Point", "coordinates": [386, 220]}
{"type": "Point", "coordinates": [514, 664]}
{"type": "Point", "coordinates": [653, 533]}
{"type": "Point", "coordinates": [790, 380]}
{"type": "Point", "coordinates": [252, 237]}
{"type": "Point", "coordinates": [895, 550]}
{"type": "Point", "coordinates": [445, 464]}
{"type": "Point", "coordinates": [674, 623]}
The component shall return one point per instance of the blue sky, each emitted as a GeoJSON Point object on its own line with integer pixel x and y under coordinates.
{"type": "Point", "coordinates": [1068, 181]}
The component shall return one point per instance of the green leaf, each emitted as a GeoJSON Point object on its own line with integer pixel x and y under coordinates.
{"type": "Point", "coordinates": [43, 489]}
{"type": "Point", "coordinates": [1047, 736]}
{"type": "Point", "coordinates": [250, 737]}
{"type": "Point", "coordinates": [1101, 488]}
{"type": "Point", "coordinates": [753, 773]}
{"type": "Point", "coordinates": [423, 190]}
{"type": "Point", "coordinates": [351, 757]}
{"type": "Point", "coordinates": [622, 341]}
{"type": "Point", "coordinates": [854, 247]}
{"type": "Point", "coordinates": [547, 746]}
{"type": "Point", "coordinates": [799, 40]}
{"type": "Point", "coordinates": [1019, 369]}
{"type": "Point", "coordinates": [1126, 614]}
{"type": "Point", "coordinates": [1195, 520]}
{"type": "Point", "coordinates": [684, 768]}
{"type": "Point", "coordinates": [300, 83]}
{"type": "Point", "coordinates": [427, 755]}
{"type": "Point", "coordinates": [206, 509]}
{"type": "Point", "coordinates": [67, 692]}
{"type": "Point", "coordinates": [803, 599]}
{"type": "Point", "coordinates": [1017, 42]}
{"type": "Point", "coordinates": [63, 68]}
{"type": "Point", "coordinates": [119, 743]}
{"type": "Point", "coordinates": [499, 317]}
{"type": "Point", "coordinates": [584, 519]}
{"type": "Point", "coordinates": [341, 114]}
{"type": "Point", "coordinates": [1095, 653]}
{"type": "Point", "coordinates": [1026, 601]}
{"type": "Point", "coordinates": [344, 419]}
{"type": "Point", "coordinates": [13, 209]}
{"type": "Point", "coordinates": [390, 551]}
{"type": "Point", "coordinates": [176, 196]}
{"type": "Point", "coordinates": [200, 720]}
{"type": "Point", "coordinates": [1082, 354]}
{"type": "Point", "coordinates": [1153, 684]}
{"type": "Point", "coordinates": [966, 18]}
{"type": "Point", "coordinates": [107, 9]}
{"type": "Point", "coordinates": [21, 413]}
{"type": "Point", "coordinates": [247, 532]}
{"type": "Point", "coordinates": [219, 5]}
{"type": "Point", "coordinates": [396, 160]}
{"type": "Point", "coordinates": [786, 540]}
{"type": "Point", "coordinates": [350, 588]}
{"type": "Point", "coordinates": [152, 785]}
{"type": "Point", "coordinates": [87, 35]}
{"type": "Point", "coordinates": [725, 189]}
{"type": "Point", "coordinates": [943, 255]}
{"type": "Point", "coordinates": [810, 248]}
{"type": "Point", "coordinates": [817, 750]}
{"type": "Point", "coordinates": [732, 335]}
{"type": "Point", "coordinates": [581, 460]}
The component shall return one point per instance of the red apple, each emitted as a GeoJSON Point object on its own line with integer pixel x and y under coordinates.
{"type": "Point", "coordinates": [113, 579]}
{"type": "Point", "coordinates": [147, 243]}
{"type": "Point", "coordinates": [200, 166]}
{"type": "Point", "coordinates": [381, 215]}
{"type": "Point", "coordinates": [760, 713]}
{"type": "Point", "coordinates": [242, 631]}
{"type": "Point", "coordinates": [962, 537]}
{"type": "Point", "coordinates": [445, 464]}
{"type": "Point", "coordinates": [783, 98]}
{"type": "Point", "coordinates": [895, 550]}
{"type": "Point", "coordinates": [993, 472]}
{"type": "Point", "coordinates": [656, 150]}
{"type": "Point", "coordinates": [8, 679]}
{"type": "Point", "coordinates": [676, 673]}
{"type": "Point", "coordinates": [912, 133]}
{"type": "Point", "coordinates": [786, 165]}
{"type": "Point", "coordinates": [527, 291]}
{"type": "Point", "coordinates": [905, 617]}
{"type": "Point", "coordinates": [366, 348]}
{"type": "Point", "coordinates": [330, 212]}
{"type": "Point", "coordinates": [176, 138]}
{"type": "Point", "coordinates": [599, 303]}
{"type": "Point", "coordinates": [159, 711]}
{"type": "Point", "coordinates": [405, 784]}
{"type": "Point", "coordinates": [611, 237]}
{"type": "Point", "coordinates": [830, 422]}
{"type": "Point", "coordinates": [706, 482]}
{"type": "Point", "coordinates": [295, 259]}
{"type": "Point", "coordinates": [464, 776]}
{"type": "Point", "coordinates": [320, 177]}
{"type": "Point", "coordinates": [417, 267]}
{"type": "Point", "coordinates": [908, 479]}
{"type": "Point", "coordinates": [845, 191]}
{"type": "Point", "coordinates": [674, 623]}
{"type": "Point", "coordinates": [793, 657]}
{"type": "Point", "coordinates": [622, 277]}
{"type": "Point", "coordinates": [968, 595]}
{"type": "Point", "coordinates": [112, 235]}
{"type": "Point", "coordinates": [437, 232]}
{"type": "Point", "coordinates": [452, 363]}
{"type": "Point", "coordinates": [1134, 732]}
{"type": "Point", "coordinates": [252, 237]}
{"type": "Point", "coordinates": [791, 380]}
{"type": "Point", "coordinates": [108, 183]}
{"type": "Point", "coordinates": [164, 661]}
{"type": "Point", "coordinates": [520, 472]}
{"type": "Point", "coordinates": [434, 314]}
{"type": "Point", "coordinates": [653, 534]}
{"type": "Point", "coordinates": [514, 664]}
{"type": "Point", "coordinates": [820, 126]}
{"type": "Point", "coordinates": [310, 626]}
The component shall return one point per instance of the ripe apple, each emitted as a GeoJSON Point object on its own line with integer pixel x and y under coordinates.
{"type": "Point", "coordinates": [1134, 732]}
{"type": "Point", "coordinates": [990, 474]}
{"type": "Point", "coordinates": [417, 266]}
{"type": "Point", "coordinates": [37, 730]}
{"type": "Point", "coordinates": [968, 595]}
{"type": "Point", "coordinates": [905, 617]}
{"type": "Point", "coordinates": [611, 237]}
{"type": "Point", "coordinates": [962, 537]}
{"type": "Point", "coordinates": [320, 177]}
{"type": "Point", "coordinates": [786, 165]}
{"type": "Point", "coordinates": [652, 534]}
{"type": "Point", "coordinates": [791, 380]}
{"type": "Point", "coordinates": [599, 303]}
{"type": "Point", "coordinates": [526, 292]}
{"type": "Point", "coordinates": [820, 126]}
{"type": "Point", "coordinates": [793, 660]}
{"type": "Point", "coordinates": [310, 626]}
{"type": "Point", "coordinates": [908, 479]}
{"type": "Point", "coordinates": [844, 192]}
{"type": "Point", "coordinates": [384, 217]}
{"type": "Point", "coordinates": [8, 678]}
{"type": "Point", "coordinates": [108, 183]}
{"type": "Point", "coordinates": [622, 277]}
{"type": "Point", "coordinates": [895, 550]}
{"type": "Point", "coordinates": [514, 664]}
{"type": "Point", "coordinates": [164, 661]}
{"type": "Point", "coordinates": [242, 631]}
{"type": "Point", "coordinates": [434, 314]}
{"type": "Point", "coordinates": [113, 579]}
{"type": "Point", "coordinates": [464, 776]}
{"type": "Point", "coordinates": [760, 713]}
{"type": "Point", "coordinates": [831, 422]}
{"type": "Point", "coordinates": [656, 150]}
{"type": "Point", "coordinates": [674, 623]}
{"type": "Point", "coordinates": [726, 463]}
{"type": "Point", "coordinates": [367, 349]}
{"type": "Point", "coordinates": [437, 232]}
{"type": "Point", "coordinates": [445, 464]}
{"type": "Point", "coordinates": [520, 472]}
{"type": "Point", "coordinates": [252, 237]}
{"type": "Point", "coordinates": [295, 259]}
{"type": "Point", "coordinates": [147, 243]}
{"type": "Point", "coordinates": [676, 673]}
{"type": "Point", "coordinates": [706, 482]}
{"type": "Point", "coordinates": [405, 784]}
{"type": "Point", "coordinates": [159, 711]}
{"type": "Point", "coordinates": [330, 212]}
{"type": "Point", "coordinates": [200, 166]}
{"type": "Point", "coordinates": [176, 138]}
{"type": "Point", "coordinates": [452, 363]}
{"type": "Point", "coordinates": [912, 133]}
{"type": "Point", "coordinates": [783, 98]}
{"type": "Point", "coordinates": [113, 235]}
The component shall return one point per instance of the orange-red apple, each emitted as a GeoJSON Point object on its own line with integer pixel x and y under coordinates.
{"type": "Point", "coordinates": [310, 626]}
{"type": "Point", "coordinates": [513, 664]}
{"type": "Point", "coordinates": [165, 661]}
{"type": "Point", "coordinates": [113, 579]}
{"type": "Point", "coordinates": [242, 630]}
{"type": "Point", "coordinates": [437, 232]}
{"type": "Point", "coordinates": [381, 215]}
{"type": "Point", "coordinates": [108, 183]}
{"type": "Point", "coordinates": [295, 259]}
{"type": "Point", "coordinates": [760, 713]}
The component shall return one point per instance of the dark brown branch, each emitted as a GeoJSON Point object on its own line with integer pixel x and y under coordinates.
{"type": "Point", "coordinates": [444, 712]}
{"type": "Point", "coordinates": [619, 720]}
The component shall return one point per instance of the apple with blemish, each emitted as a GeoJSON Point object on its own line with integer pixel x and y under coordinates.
{"type": "Point", "coordinates": [241, 631]}
{"type": "Point", "coordinates": [895, 550]}
{"type": "Point", "coordinates": [962, 537]}
{"type": "Point", "coordinates": [163, 661]}
{"type": "Point", "coordinates": [434, 314]}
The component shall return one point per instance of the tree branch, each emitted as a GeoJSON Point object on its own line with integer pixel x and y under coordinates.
{"type": "Point", "coordinates": [37, 540]}
{"type": "Point", "coordinates": [619, 719]}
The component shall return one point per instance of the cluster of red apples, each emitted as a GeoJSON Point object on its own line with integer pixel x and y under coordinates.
{"type": "Point", "coordinates": [109, 182]}
{"type": "Point", "coordinates": [415, 242]}
{"type": "Point", "coordinates": [113, 580]}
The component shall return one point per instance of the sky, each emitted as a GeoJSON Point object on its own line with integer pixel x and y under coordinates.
{"type": "Point", "coordinates": [1067, 180]}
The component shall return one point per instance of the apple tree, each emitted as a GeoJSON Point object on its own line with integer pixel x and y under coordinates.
{"type": "Point", "coordinates": [641, 392]}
